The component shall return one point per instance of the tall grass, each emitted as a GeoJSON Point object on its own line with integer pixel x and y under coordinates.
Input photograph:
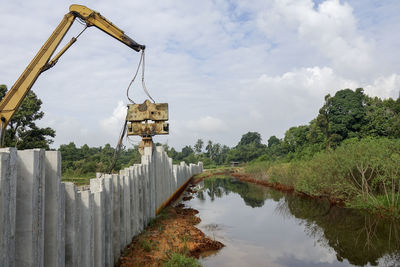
{"type": "Point", "coordinates": [180, 260]}
{"type": "Point", "coordinates": [363, 173]}
{"type": "Point", "coordinates": [258, 169]}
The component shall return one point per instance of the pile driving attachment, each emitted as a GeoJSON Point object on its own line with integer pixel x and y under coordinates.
{"type": "Point", "coordinates": [146, 120]}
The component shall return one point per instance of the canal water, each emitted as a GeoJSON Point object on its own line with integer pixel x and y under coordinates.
{"type": "Point", "coordinates": [263, 227]}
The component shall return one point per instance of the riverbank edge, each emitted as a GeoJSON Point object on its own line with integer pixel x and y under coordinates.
{"type": "Point", "coordinates": [172, 232]}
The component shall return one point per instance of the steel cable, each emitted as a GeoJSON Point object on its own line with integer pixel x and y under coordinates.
{"type": "Point", "coordinates": [141, 62]}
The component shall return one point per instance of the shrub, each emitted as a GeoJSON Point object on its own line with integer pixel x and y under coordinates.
{"type": "Point", "coordinates": [179, 260]}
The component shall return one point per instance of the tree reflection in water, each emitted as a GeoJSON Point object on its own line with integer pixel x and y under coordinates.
{"type": "Point", "coordinates": [354, 235]}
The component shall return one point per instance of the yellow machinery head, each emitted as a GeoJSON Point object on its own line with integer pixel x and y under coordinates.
{"type": "Point", "coordinates": [147, 119]}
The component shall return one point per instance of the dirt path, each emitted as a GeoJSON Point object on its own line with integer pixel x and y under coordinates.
{"type": "Point", "coordinates": [173, 231]}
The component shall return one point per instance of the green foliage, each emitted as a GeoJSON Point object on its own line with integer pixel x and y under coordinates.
{"type": "Point", "coordinates": [258, 169]}
{"type": "Point", "coordinates": [146, 244]}
{"type": "Point", "coordinates": [272, 141]}
{"type": "Point", "coordinates": [348, 114]}
{"type": "Point", "coordinates": [186, 151]}
{"type": "Point", "coordinates": [180, 260]}
{"type": "Point", "coordinates": [342, 116]}
{"type": "Point", "coordinates": [198, 147]}
{"type": "Point", "coordinates": [250, 138]}
{"type": "Point", "coordinates": [218, 185]}
{"type": "Point", "coordinates": [215, 154]}
{"type": "Point", "coordinates": [86, 161]}
{"type": "Point", "coordinates": [296, 137]}
{"type": "Point", "coordinates": [382, 118]}
{"type": "Point", "coordinates": [21, 131]}
{"type": "Point", "coordinates": [248, 148]}
{"type": "Point", "coordinates": [363, 173]}
{"type": "Point", "coordinates": [283, 173]}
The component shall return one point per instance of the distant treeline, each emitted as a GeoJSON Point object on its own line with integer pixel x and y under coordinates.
{"type": "Point", "coordinates": [347, 114]}
{"type": "Point", "coordinates": [89, 160]}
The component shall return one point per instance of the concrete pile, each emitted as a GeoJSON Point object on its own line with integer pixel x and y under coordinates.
{"type": "Point", "coordinates": [46, 222]}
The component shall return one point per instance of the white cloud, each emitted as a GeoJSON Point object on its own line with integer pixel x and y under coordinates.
{"type": "Point", "coordinates": [330, 28]}
{"type": "Point", "coordinates": [208, 125]}
{"type": "Point", "coordinates": [385, 86]}
{"type": "Point", "coordinates": [295, 97]}
{"type": "Point", "coordinates": [113, 124]}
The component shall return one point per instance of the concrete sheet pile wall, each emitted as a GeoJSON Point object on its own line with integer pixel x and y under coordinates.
{"type": "Point", "coordinates": [46, 222]}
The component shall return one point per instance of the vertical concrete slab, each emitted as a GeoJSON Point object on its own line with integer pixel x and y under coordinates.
{"type": "Point", "coordinates": [86, 238]}
{"type": "Point", "coordinates": [140, 194]}
{"type": "Point", "coordinates": [8, 178]}
{"type": "Point", "coordinates": [156, 176]}
{"type": "Point", "coordinates": [127, 210]}
{"type": "Point", "coordinates": [133, 177]}
{"type": "Point", "coordinates": [72, 225]}
{"type": "Point", "coordinates": [171, 176]}
{"type": "Point", "coordinates": [136, 197]}
{"type": "Point", "coordinates": [61, 230]}
{"type": "Point", "coordinates": [146, 193]}
{"type": "Point", "coordinates": [122, 214]}
{"type": "Point", "coordinates": [29, 242]}
{"type": "Point", "coordinates": [143, 182]}
{"type": "Point", "coordinates": [116, 217]}
{"type": "Point", "coordinates": [143, 185]}
{"type": "Point", "coordinates": [183, 169]}
{"type": "Point", "coordinates": [175, 176]}
{"type": "Point", "coordinates": [152, 189]}
{"type": "Point", "coordinates": [134, 204]}
{"type": "Point", "coordinates": [191, 170]}
{"type": "Point", "coordinates": [160, 180]}
{"type": "Point", "coordinates": [54, 239]}
{"type": "Point", "coordinates": [97, 188]}
{"type": "Point", "coordinates": [108, 210]}
{"type": "Point", "coordinates": [165, 188]}
{"type": "Point", "coordinates": [147, 160]}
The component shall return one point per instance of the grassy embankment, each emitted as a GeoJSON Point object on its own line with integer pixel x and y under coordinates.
{"type": "Point", "coordinates": [361, 174]}
{"type": "Point", "coordinates": [171, 239]}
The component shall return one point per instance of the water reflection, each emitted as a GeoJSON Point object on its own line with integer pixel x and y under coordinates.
{"type": "Point", "coordinates": [355, 237]}
{"type": "Point", "coordinates": [253, 196]}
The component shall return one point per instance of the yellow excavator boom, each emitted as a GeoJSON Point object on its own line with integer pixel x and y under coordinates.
{"type": "Point", "coordinates": [42, 60]}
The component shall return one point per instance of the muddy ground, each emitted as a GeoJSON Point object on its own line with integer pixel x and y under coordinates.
{"type": "Point", "coordinates": [173, 231]}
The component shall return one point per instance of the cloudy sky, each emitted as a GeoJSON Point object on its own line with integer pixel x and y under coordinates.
{"type": "Point", "coordinates": [224, 67]}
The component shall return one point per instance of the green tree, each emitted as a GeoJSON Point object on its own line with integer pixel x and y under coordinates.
{"type": "Point", "coordinates": [248, 148]}
{"type": "Point", "coordinates": [172, 153]}
{"type": "Point", "coordinates": [209, 148]}
{"type": "Point", "coordinates": [273, 140]}
{"type": "Point", "coordinates": [250, 138]}
{"type": "Point", "coordinates": [223, 153]}
{"type": "Point", "coordinates": [342, 116]}
{"type": "Point", "coordinates": [186, 151]}
{"type": "Point", "coordinates": [84, 160]}
{"type": "Point", "coordinates": [198, 146]}
{"type": "Point", "coordinates": [315, 135]}
{"type": "Point", "coordinates": [296, 137]}
{"type": "Point", "coordinates": [21, 131]}
{"type": "Point", "coordinates": [381, 118]}
{"type": "Point", "coordinates": [215, 151]}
